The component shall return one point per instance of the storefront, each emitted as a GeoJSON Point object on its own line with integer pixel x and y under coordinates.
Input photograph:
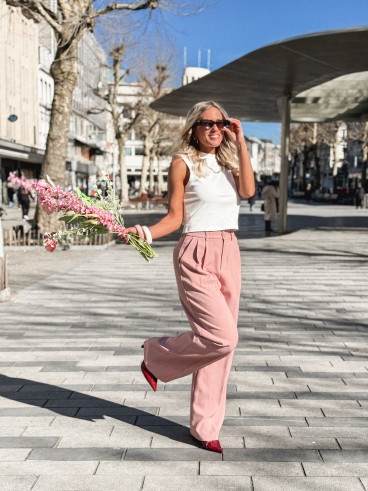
{"type": "Point", "coordinates": [20, 159]}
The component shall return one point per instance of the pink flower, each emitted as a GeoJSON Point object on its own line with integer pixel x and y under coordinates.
{"type": "Point", "coordinates": [50, 245]}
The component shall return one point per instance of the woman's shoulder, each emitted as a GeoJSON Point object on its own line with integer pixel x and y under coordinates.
{"type": "Point", "coordinates": [181, 160]}
{"type": "Point", "coordinates": [178, 168]}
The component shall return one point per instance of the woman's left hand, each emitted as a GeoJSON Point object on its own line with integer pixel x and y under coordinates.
{"type": "Point", "coordinates": [235, 132]}
{"type": "Point", "coordinates": [124, 234]}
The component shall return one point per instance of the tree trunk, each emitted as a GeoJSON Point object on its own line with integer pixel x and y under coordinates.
{"type": "Point", "coordinates": [364, 148]}
{"type": "Point", "coordinates": [159, 175]}
{"type": "Point", "coordinates": [64, 71]}
{"type": "Point", "coordinates": [335, 169]}
{"type": "Point", "coordinates": [364, 167]}
{"type": "Point", "coordinates": [304, 168]}
{"type": "Point", "coordinates": [124, 195]}
{"type": "Point", "coordinates": [147, 150]}
{"type": "Point", "coordinates": [317, 173]}
{"type": "Point", "coordinates": [151, 172]}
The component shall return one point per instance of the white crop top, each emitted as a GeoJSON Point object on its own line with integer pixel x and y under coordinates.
{"type": "Point", "coordinates": [211, 202]}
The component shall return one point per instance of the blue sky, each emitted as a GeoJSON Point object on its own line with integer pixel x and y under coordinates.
{"type": "Point", "coordinates": [233, 28]}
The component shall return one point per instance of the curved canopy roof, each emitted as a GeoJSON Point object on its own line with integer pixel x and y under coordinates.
{"type": "Point", "coordinates": [312, 69]}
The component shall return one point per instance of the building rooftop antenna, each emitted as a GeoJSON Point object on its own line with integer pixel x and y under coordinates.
{"type": "Point", "coordinates": [208, 59]}
{"type": "Point", "coordinates": [185, 56]}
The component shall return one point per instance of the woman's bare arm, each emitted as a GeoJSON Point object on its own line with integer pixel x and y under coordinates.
{"type": "Point", "coordinates": [245, 180]}
{"type": "Point", "coordinates": [176, 179]}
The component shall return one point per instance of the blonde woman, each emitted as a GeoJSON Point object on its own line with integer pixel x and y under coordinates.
{"type": "Point", "coordinates": [210, 172]}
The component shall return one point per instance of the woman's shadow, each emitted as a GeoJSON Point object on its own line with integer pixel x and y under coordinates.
{"type": "Point", "coordinates": [72, 404]}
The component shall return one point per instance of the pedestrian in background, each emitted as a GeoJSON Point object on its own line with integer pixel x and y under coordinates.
{"type": "Point", "coordinates": [24, 197]}
{"type": "Point", "coordinates": [359, 197]}
{"type": "Point", "coordinates": [252, 201]}
{"type": "Point", "coordinates": [10, 194]}
{"type": "Point", "coordinates": [270, 195]}
{"type": "Point", "coordinates": [210, 172]}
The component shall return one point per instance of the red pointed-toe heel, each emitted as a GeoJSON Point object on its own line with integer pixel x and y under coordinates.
{"type": "Point", "coordinates": [151, 379]}
{"type": "Point", "coordinates": [213, 446]}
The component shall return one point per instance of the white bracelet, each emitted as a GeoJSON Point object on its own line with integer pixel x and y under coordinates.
{"type": "Point", "coordinates": [148, 234]}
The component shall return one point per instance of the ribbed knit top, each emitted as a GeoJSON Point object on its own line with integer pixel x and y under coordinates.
{"type": "Point", "coordinates": [211, 202]}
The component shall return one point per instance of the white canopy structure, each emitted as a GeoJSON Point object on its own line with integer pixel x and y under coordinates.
{"type": "Point", "coordinates": [316, 77]}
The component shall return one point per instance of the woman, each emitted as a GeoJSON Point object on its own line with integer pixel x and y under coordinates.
{"type": "Point", "coordinates": [209, 174]}
{"type": "Point", "coordinates": [270, 195]}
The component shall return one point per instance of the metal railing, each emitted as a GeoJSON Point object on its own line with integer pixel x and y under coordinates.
{"type": "Point", "coordinates": [14, 237]}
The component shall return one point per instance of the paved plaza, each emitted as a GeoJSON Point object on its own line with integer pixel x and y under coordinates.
{"type": "Point", "coordinates": [76, 413]}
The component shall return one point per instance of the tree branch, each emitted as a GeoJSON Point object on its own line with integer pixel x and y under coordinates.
{"type": "Point", "coordinates": [65, 8]}
{"type": "Point", "coordinates": [36, 6]}
{"type": "Point", "coordinates": [148, 4]}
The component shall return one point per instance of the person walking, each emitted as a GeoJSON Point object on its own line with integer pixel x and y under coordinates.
{"type": "Point", "coordinates": [270, 196]}
{"type": "Point", "coordinates": [24, 196]}
{"type": "Point", "coordinates": [10, 194]}
{"type": "Point", "coordinates": [210, 172]}
{"type": "Point", "coordinates": [359, 197]}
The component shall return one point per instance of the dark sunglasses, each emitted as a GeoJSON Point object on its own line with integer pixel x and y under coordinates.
{"type": "Point", "coordinates": [221, 124]}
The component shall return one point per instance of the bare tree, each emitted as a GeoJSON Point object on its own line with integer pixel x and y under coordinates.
{"type": "Point", "coordinates": [153, 87]}
{"type": "Point", "coordinates": [302, 142]}
{"type": "Point", "coordinates": [306, 142]}
{"type": "Point", "coordinates": [168, 133]}
{"type": "Point", "coordinates": [330, 135]}
{"type": "Point", "coordinates": [358, 131]}
{"type": "Point", "coordinates": [124, 116]}
{"type": "Point", "coordinates": [72, 20]}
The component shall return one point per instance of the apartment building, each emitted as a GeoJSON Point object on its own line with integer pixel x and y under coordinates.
{"type": "Point", "coordinates": [87, 151]}
{"type": "Point", "coordinates": [19, 117]}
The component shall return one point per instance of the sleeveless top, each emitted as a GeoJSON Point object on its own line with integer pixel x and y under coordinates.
{"type": "Point", "coordinates": [212, 202]}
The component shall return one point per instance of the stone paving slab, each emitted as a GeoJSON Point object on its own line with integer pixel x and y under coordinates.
{"type": "Point", "coordinates": [76, 413]}
{"type": "Point", "coordinates": [16, 483]}
{"type": "Point", "coordinates": [47, 467]}
{"type": "Point", "coordinates": [205, 483]}
{"type": "Point", "coordinates": [79, 454]}
{"type": "Point", "coordinates": [276, 483]}
{"type": "Point", "coordinates": [71, 482]}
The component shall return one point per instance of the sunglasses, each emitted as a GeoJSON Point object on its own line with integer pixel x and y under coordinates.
{"type": "Point", "coordinates": [221, 124]}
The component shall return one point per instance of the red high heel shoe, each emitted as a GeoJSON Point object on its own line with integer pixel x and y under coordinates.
{"type": "Point", "coordinates": [151, 379]}
{"type": "Point", "coordinates": [213, 446]}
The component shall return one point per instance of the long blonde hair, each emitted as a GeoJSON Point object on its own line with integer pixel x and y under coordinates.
{"type": "Point", "coordinates": [226, 153]}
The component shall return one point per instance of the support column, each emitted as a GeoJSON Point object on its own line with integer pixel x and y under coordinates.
{"type": "Point", "coordinates": [284, 174]}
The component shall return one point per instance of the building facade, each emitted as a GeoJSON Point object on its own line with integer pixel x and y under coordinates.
{"type": "Point", "coordinates": [19, 116]}
{"type": "Point", "coordinates": [128, 97]}
{"type": "Point", "coordinates": [87, 150]}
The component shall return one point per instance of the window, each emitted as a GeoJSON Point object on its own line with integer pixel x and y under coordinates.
{"type": "Point", "coordinates": [139, 151]}
{"type": "Point", "coordinates": [128, 151]}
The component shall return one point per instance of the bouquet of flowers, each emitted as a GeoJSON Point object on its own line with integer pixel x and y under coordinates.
{"type": "Point", "coordinates": [86, 216]}
{"type": "Point", "coordinates": [20, 181]}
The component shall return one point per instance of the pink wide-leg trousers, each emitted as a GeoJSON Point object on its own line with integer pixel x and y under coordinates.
{"type": "Point", "coordinates": [208, 274]}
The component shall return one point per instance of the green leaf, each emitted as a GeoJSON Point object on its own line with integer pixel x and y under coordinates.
{"type": "Point", "coordinates": [94, 222]}
{"type": "Point", "coordinates": [84, 197]}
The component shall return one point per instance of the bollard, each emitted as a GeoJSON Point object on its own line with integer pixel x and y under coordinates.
{"type": "Point", "coordinates": [4, 290]}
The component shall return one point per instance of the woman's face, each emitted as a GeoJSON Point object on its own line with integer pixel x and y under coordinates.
{"type": "Point", "coordinates": [210, 139]}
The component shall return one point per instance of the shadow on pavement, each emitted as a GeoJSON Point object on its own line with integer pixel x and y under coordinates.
{"type": "Point", "coordinates": [67, 402]}
{"type": "Point", "coordinates": [252, 225]}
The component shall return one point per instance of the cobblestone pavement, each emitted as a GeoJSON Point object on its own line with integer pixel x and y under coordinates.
{"type": "Point", "coordinates": [76, 413]}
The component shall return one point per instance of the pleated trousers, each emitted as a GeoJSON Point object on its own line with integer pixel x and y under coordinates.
{"type": "Point", "coordinates": [208, 273]}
